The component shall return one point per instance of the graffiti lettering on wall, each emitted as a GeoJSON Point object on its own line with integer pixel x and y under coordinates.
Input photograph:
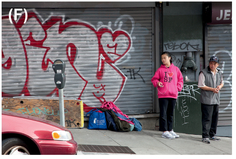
{"type": "Point", "coordinates": [45, 112]}
{"type": "Point", "coordinates": [184, 112]}
{"type": "Point", "coordinates": [70, 122]}
{"type": "Point", "coordinates": [37, 111]}
{"type": "Point", "coordinates": [188, 92]}
{"type": "Point", "coordinates": [183, 46]}
{"type": "Point", "coordinates": [178, 63]}
{"type": "Point", "coordinates": [133, 74]}
{"type": "Point", "coordinates": [177, 60]}
{"type": "Point", "coordinates": [176, 46]}
{"type": "Point", "coordinates": [82, 46]}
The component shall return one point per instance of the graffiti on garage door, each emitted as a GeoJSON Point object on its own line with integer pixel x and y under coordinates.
{"type": "Point", "coordinates": [90, 54]}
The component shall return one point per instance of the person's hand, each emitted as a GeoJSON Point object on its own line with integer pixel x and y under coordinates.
{"type": "Point", "coordinates": [219, 87]}
{"type": "Point", "coordinates": [215, 90]}
{"type": "Point", "coordinates": [160, 84]}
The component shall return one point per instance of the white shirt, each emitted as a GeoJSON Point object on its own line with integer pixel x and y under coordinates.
{"type": "Point", "coordinates": [201, 79]}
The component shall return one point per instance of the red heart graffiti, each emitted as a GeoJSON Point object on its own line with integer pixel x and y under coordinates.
{"type": "Point", "coordinates": [110, 48]}
{"type": "Point", "coordinates": [104, 46]}
{"type": "Point", "coordinates": [170, 74]}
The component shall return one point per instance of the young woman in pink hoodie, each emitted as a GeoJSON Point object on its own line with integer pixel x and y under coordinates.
{"type": "Point", "coordinates": [169, 81]}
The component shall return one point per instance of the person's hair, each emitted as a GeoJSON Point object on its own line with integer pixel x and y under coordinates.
{"type": "Point", "coordinates": [168, 54]}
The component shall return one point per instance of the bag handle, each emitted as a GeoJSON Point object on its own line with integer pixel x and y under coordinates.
{"type": "Point", "coordinates": [93, 110]}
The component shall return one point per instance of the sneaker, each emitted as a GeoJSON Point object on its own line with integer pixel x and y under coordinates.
{"type": "Point", "coordinates": [206, 140]}
{"type": "Point", "coordinates": [174, 134]}
{"type": "Point", "coordinates": [214, 138]}
{"type": "Point", "coordinates": [167, 135]}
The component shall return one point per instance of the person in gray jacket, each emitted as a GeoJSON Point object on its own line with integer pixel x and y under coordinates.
{"type": "Point", "coordinates": [210, 81]}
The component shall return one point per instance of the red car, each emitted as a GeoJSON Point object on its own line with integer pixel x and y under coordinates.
{"type": "Point", "coordinates": [24, 134]}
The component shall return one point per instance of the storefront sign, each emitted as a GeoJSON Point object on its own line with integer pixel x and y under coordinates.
{"type": "Point", "coordinates": [221, 13]}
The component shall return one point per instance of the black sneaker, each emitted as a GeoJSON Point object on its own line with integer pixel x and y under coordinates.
{"type": "Point", "coordinates": [214, 138]}
{"type": "Point", "coordinates": [206, 140]}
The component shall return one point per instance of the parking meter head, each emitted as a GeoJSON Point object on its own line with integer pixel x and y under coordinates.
{"type": "Point", "coordinates": [59, 66]}
{"type": "Point", "coordinates": [59, 69]}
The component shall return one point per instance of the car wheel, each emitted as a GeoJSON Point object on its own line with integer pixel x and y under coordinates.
{"type": "Point", "coordinates": [14, 146]}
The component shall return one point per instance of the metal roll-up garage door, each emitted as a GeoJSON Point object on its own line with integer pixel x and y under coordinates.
{"type": "Point", "coordinates": [108, 54]}
{"type": "Point", "coordinates": [219, 43]}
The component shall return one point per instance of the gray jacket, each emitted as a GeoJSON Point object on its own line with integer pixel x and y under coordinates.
{"type": "Point", "coordinates": [209, 97]}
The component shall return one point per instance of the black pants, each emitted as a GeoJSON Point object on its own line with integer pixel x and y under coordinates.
{"type": "Point", "coordinates": [167, 106]}
{"type": "Point", "coordinates": [209, 120]}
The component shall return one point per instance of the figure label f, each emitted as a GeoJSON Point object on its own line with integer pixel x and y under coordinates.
{"type": "Point", "coordinates": [17, 12]}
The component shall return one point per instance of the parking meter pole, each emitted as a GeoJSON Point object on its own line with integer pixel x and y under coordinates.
{"type": "Point", "coordinates": [58, 67]}
{"type": "Point", "coordinates": [61, 108]}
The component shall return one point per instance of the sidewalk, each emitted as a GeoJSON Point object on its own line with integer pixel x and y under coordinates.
{"type": "Point", "coordinates": [150, 142]}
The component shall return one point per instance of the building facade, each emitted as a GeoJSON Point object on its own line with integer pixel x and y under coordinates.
{"type": "Point", "coordinates": [108, 49]}
{"type": "Point", "coordinates": [218, 42]}
{"type": "Point", "coordinates": [111, 50]}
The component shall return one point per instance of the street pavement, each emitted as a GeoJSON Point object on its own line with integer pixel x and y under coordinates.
{"type": "Point", "coordinates": [150, 142]}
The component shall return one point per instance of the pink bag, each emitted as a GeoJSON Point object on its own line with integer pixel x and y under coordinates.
{"type": "Point", "coordinates": [112, 106]}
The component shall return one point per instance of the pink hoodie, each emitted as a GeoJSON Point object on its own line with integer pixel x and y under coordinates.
{"type": "Point", "coordinates": [171, 78]}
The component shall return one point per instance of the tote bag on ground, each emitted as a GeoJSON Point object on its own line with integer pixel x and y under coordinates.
{"type": "Point", "coordinates": [97, 119]}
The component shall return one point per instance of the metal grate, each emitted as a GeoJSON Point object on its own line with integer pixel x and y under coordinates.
{"type": "Point", "coordinates": [105, 149]}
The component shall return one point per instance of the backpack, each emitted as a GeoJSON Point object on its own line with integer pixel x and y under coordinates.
{"type": "Point", "coordinates": [137, 124]}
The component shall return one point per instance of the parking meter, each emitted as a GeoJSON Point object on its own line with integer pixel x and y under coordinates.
{"type": "Point", "coordinates": [59, 77]}
{"type": "Point", "coordinates": [60, 80]}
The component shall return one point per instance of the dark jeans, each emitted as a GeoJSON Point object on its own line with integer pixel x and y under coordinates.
{"type": "Point", "coordinates": [167, 106]}
{"type": "Point", "coordinates": [209, 120]}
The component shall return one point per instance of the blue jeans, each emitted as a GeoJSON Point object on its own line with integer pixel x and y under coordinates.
{"type": "Point", "coordinates": [167, 106]}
